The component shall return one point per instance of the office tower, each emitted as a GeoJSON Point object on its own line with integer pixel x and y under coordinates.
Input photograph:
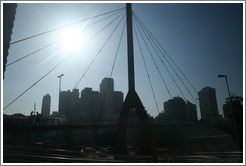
{"type": "Point", "coordinates": [74, 102]}
{"type": "Point", "coordinates": [107, 85]}
{"type": "Point", "coordinates": [175, 109]}
{"type": "Point", "coordinates": [112, 101]}
{"type": "Point", "coordinates": [107, 92]}
{"type": "Point", "coordinates": [118, 102]}
{"type": "Point", "coordinates": [90, 104]}
{"type": "Point", "coordinates": [46, 105]}
{"type": "Point", "coordinates": [191, 112]}
{"type": "Point", "coordinates": [208, 103]}
{"type": "Point", "coordinates": [69, 102]}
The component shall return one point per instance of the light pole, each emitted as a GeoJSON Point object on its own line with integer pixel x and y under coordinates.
{"type": "Point", "coordinates": [226, 85]}
{"type": "Point", "coordinates": [60, 76]}
{"type": "Point", "coordinates": [232, 113]}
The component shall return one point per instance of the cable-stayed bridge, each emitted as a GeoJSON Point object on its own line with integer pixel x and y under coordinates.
{"type": "Point", "coordinates": [149, 49]}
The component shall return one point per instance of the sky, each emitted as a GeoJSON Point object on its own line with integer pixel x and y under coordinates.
{"type": "Point", "coordinates": [203, 39]}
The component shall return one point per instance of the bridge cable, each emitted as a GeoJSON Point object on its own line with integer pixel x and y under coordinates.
{"type": "Point", "coordinates": [151, 37]}
{"type": "Point", "coordinates": [146, 69]}
{"type": "Point", "coordinates": [36, 82]}
{"type": "Point", "coordinates": [11, 63]}
{"type": "Point", "coordinates": [100, 49]}
{"type": "Point", "coordinates": [42, 33]}
{"type": "Point", "coordinates": [53, 69]}
{"type": "Point", "coordinates": [68, 97]}
{"type": "Point", "coordinates": [111, 73]}
{"type": "Point", "coordinates": [171, 76]}
{"type": "Point", "coordinates": [156, 41]}
{"type": "Point", "coordinates": [153, 59]}
{"type": "Point", "coordinates": [181, 80]}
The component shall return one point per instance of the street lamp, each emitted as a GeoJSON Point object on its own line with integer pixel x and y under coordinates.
{"type": "Point", "coordinates": [60, 76]}
{"type": "Point", "coordinates": [232, 113]}
{"type": "Point", "coordinates": [226, 85]}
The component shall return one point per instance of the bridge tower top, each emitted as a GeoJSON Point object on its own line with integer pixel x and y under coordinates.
{"type": "Point", "coordinates": [131, 78]}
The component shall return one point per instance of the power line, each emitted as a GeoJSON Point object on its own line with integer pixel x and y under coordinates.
{"type": "Point", "coordinates": [42, 33]}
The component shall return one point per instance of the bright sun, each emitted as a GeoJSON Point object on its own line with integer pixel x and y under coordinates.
{"type": "Point", "coordinates": [71, 39]}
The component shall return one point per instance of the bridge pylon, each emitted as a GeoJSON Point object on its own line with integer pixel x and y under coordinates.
{"type": "Point", "coordinates": [132, 101]}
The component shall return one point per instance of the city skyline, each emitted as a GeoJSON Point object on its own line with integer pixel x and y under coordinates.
{"type": "Point", "coordinates": [200, 67]}
{"type": "Point", "coordinates": [89, 104]}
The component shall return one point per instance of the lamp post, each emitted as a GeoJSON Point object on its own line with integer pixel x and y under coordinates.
{"type": "Point", "coordinates": [232, 113]}
{"type": "Point", "coordinates": [226, 85]}
{"type": "Point", "coordinates": [60, 76]}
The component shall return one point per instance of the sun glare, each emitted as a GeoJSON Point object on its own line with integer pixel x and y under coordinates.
{"type": "Point", "coordinates": [71, 39]}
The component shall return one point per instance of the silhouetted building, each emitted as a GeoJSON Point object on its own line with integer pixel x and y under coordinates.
{"type": "Point", "coordinates": [106, 90]}
{"type": "Point", "coordinates": [9, 10]}
{"type": "Point", "coordinates": [54, 114]}
{"type": "Point", "coordinates": [107, 86]}
{"type": "Point", "coordinates": [233, 112]}
{"type": "Point", "coordinates": [175, 109]}
{"type": "Point", "coordinates": [234, 108]}
{"type": "Point", "coordinates": [74, 102]}
{"type": "Point", "coordinates": [46, 105]}
{"type": "Point", "coordinates": [90, 104]}
{"type": "Point", "coordinates": [118, 102]}
{"type": "Point", "coordinates": [69, 102]}
{"type": "Point", "coordinates": [191, 112]}
{"type": "Point", "coordinates": [208, 103]}
{"type": "Point", "coordinates": [227, 110]}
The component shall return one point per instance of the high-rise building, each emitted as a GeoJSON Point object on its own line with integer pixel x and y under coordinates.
{"type": "Point", "coordinates": [175, 109]}
{"type": "Point", "coordinates": [46, 105]}
{"type": "Point", "coordinates": [191, 112]}
{"type": "Point", "coordinates": [107, 86]}
{"type": "Point", "coordinates": [118, 102]}
{"type": "Point", "coordinates": [112, 101]}
{"type": "Point", "coordinates": [69, 103]}
{"type": "Point", "coordinates": [107, 92]}
{"type": "Point", "coordinates": [208, 103]}
{"type": "Point", "coordinates": [178, 110]}
{"type": "Point", "coordinates": [74, 102]}
{"type": "Point", "coordinates": [90, 104]}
